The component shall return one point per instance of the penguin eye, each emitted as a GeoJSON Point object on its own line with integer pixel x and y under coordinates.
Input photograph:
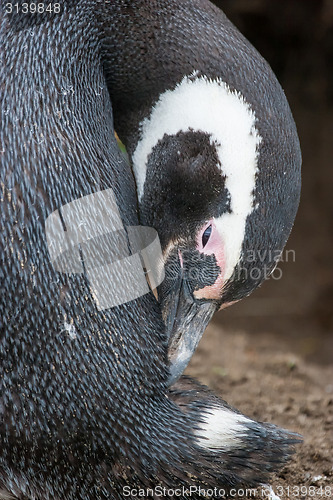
{"type": "Point", "coordinates": [206, 235]}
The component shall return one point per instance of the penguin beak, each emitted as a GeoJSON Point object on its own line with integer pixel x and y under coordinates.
{"type": "Point", "coordinates": [186, 319]}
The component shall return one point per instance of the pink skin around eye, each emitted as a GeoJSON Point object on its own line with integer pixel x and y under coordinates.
{"type": "Point", "coordinates": [213, 246]}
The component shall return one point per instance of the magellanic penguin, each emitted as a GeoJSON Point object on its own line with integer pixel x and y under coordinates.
{"type": "Point", "coordinates": [86, 411]}
{"type": "Point", "coordinates": [215, 154]}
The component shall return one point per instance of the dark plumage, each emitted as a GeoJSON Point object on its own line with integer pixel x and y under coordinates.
{"type": "Point", "coordinates": [175, 44]}
{"type": "Point", "coordinates": [83, 415]}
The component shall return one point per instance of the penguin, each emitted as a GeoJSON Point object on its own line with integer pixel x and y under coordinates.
{"type": "Point", "coordinates": [86, 407]}
{"type": "Point", "coordinates": [215, 153]}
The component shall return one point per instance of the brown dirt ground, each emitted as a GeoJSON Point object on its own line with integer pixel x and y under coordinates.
{"type": "Point", "coordinates": [265, 378]}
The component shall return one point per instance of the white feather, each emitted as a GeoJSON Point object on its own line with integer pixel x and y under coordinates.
{"type": "Point", "coordinates": [222, 429]}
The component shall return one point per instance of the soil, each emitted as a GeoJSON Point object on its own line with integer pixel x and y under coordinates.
{"type": "Point", "coordinates": [265, 377]}
{"type": "Point", "coordinates": [271, 355]}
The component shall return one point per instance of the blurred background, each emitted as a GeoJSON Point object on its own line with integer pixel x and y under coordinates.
{"type": "Point", "coordinates": [271, 355]}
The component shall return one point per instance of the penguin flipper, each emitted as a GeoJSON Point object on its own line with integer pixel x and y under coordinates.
{"type": "Point", "coordinates": [246, 450]}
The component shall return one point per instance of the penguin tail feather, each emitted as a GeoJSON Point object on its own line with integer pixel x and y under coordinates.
{"type": "Point", "coordinates": [246, 450]}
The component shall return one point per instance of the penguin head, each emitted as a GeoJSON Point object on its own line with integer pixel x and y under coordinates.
{"type": "Point", "coordinates": [219, 179]}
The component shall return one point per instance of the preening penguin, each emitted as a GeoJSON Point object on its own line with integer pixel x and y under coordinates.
{"type": "Point", "coordinates": [215, 154]}
{"type": "Point", "coordinates": [85, 404]}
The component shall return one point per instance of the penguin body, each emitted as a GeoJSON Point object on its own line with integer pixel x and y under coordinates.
{"type": "Point", "coordinates": [215, 154]}
{"type": "Point", "coordinates": [85, 409]}
{"type": "Point", "coordinates": [67, 404]}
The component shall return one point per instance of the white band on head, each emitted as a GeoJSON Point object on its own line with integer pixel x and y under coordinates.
{"type": "Point", "coordinates": [209, 106]}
